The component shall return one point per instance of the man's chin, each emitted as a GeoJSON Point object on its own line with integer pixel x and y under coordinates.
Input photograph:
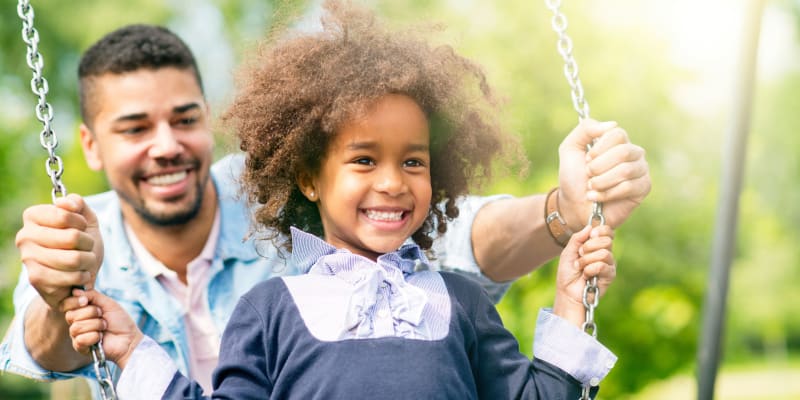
{"type": "Point", "coordinates": [167, 218]}
{"type": "Point", "coordinates": [167, 212]}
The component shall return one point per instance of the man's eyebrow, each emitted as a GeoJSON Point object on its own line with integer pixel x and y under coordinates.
{"type": "Point", "coordinates": [131, 117]}
{"type": "Point", "coordinates": [184, 108]}
{"type": "Point", "coordinates": [140, 116]}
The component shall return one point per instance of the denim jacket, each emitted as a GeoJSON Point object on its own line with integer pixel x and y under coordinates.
{"type": "Point", "coordinates": [238, 264]}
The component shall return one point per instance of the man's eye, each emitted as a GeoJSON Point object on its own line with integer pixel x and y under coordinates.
{"type": "Point", "coordinates": [187, 121]}
{"type": "Point", "coordinates": [133, 130]}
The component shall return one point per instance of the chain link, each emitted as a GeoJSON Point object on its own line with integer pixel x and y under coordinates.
{"type": "Point", "coordinates": [591, 292]}
{"type": "Point", "coordinates": [54, 165]}
{"type": "Point", "coordinates": [39, 87]}
{"type": "Point", "coordinates": [102, 372]}
{"type": "Point", "coordinates": [564, 45]}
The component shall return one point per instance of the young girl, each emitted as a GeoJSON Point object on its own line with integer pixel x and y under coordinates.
{"type": "Point", "coordinates": [352, 135]}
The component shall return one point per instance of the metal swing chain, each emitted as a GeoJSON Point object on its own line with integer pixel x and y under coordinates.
{"type": "Point", "coordinates": [591, 292]}
{"type": "Point", "coordinates": [54, 165]}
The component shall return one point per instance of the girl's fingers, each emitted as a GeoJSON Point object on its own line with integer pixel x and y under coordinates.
{"type": "Point", "coordinates": [577, 239]}
{"type": "Point", "coordinates": [601, 230]}
{"type": "Point", "coordinates": [87, 325]}
{"type": "Point", "coordinates": [82, 342]}
{"type": "Point", "coordinates": [571, 252]}
{"type": "Point", "coordinates": [601, 270]}
{"type": "Point", "coordinates": [600, 237]}
{"type": "Point", "coordinates": [596, 244]}
{"type": "Point", "coordinates": [600, 255]}
{"type": "Point", "coordinates": [74, 302]}
{"type": "Point", "coordinates": [83, 313]}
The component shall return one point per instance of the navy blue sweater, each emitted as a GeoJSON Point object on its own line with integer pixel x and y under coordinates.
{"type": "Point", "coordinates": [267, 352]}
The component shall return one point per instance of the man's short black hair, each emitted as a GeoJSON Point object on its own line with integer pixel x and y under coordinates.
{"type": "Point", "coordinates": [131, 48]}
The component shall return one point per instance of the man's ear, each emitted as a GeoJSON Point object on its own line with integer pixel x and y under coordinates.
{"type": "Point", "coordinates": [306, 184]}
{"type": "Point", "coordinates": [91, 149]}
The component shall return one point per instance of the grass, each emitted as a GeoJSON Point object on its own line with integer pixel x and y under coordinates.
{"type": "Point", "coordinates": [763, 380]}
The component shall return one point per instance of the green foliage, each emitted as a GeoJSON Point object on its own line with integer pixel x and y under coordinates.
{"type": "Point", "coordinates": [767, 325]}
{"type": "Point", "coordinates": [651, 316]}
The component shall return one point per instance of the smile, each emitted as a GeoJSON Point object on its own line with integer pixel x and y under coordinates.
{"type": "Point", "coordinates": [389, 216]}
{"type": "Point", "coordinates": [167, 179]}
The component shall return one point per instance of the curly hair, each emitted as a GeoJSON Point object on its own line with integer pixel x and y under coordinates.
{"type": "Point", "coordinates": [301, 88]}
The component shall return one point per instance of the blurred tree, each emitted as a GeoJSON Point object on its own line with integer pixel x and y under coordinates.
{"type": "Point", "coordinates": [650, 317]}
{"type": "Point", "coordinates": [766, 325]}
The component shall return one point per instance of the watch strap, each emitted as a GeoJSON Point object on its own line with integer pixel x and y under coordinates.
{"type": "Point", "coordinates": [556, 225]}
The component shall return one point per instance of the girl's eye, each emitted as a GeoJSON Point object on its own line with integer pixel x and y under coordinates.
{"type": "Point", "coordinates": [413, 163]}
{"type": "Point", "coordinates": [364, 161]}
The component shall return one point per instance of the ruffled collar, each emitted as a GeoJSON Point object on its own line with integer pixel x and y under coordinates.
{"type": "Point", "coordinates": [368, 278]}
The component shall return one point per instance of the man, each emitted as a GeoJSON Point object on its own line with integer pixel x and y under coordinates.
{"type": "Point", "coordinates": [173, 225]}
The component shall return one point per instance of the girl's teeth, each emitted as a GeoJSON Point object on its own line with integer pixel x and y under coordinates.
{"type": "Point", "coordinates": [385, 215]}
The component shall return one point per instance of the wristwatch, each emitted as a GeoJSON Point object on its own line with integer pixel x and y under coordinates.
{"type": "Point", "coordinates": [556, 225]}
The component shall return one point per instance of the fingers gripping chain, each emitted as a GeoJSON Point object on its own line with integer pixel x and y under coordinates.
{"type": "Point", "coordinates": [591, 292]}
{"type": "Point", "coordinates": [54, 166]}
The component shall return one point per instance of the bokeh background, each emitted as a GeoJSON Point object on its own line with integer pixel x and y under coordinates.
{"type": "Point", "coordinates": [666, 71]}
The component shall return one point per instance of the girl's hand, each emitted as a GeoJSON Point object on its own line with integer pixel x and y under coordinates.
{"type": "Point", "coordinates": [588, 254]}
{"type": "Point", "coordinates": [92, 316]}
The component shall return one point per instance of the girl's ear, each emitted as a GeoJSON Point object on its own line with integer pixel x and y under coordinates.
{"type": "Point", "coordinates": [306, 184]}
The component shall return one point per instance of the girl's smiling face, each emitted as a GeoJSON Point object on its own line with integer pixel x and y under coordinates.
{"type": "Point", "coordinates": [373, 189]}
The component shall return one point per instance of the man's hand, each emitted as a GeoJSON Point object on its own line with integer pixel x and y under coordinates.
{"type": "Point", "coordinates": [613, 172]}
{"type": "Point", "coordinates": [510, 237]}
{"type": "Point", "coordinates": [61, 247]}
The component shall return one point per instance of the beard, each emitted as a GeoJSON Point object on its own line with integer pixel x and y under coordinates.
{"type": "Point", "coordinates": [170, 218]}
{"type": "Point", "coordinates": [175, 218]}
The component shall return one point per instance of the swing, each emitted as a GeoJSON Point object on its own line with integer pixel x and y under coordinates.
{"type": "Point", "coordinates": [53, 165]}
{"type": "Point", "coordinates": [591, 292]}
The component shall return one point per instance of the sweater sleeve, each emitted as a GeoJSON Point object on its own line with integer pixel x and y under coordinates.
{"type": "Point", "coordinates": [242, 372]}
{"type": "Point", "coordinates": [500, 369]}
{"type": "Point", "coordinates": [149, 372]}
{"type": "Point", "coordinates": [562, 344]}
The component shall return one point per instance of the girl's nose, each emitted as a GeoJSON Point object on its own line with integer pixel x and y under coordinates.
{"type": "Point", "coordinates": [390, 181]}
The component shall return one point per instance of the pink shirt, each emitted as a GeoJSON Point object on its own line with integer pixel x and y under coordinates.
{"type": "Point", "coordinates": [204, 338]}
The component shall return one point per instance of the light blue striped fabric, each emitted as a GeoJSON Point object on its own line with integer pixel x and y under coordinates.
{"type": "Point", "coordinates": [348, 296]}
